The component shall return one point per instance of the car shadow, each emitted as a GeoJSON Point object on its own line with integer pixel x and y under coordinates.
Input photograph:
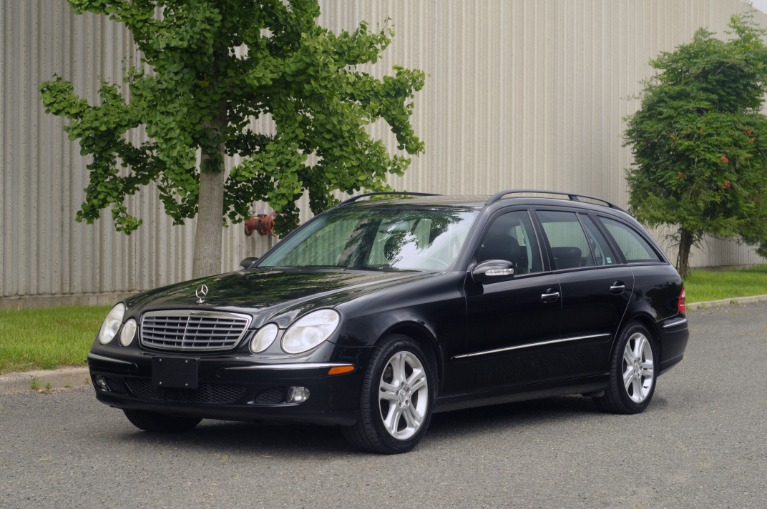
{"type": "Point", "coordinates": [255, 438]}
{"type": "Point", "coordinates": [526, 413]}
{"type": "Point", "coordinates": [297, 440]}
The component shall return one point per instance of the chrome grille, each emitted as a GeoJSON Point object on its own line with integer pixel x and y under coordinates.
{"type": "Point", "coordinates": [193, 330]}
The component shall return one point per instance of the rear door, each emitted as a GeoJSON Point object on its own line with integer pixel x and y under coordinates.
{"type": "Point", "coordinates": [596, 289]}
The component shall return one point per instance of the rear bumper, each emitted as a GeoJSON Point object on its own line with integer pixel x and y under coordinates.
{"type": "Point", "coordinates": [674, 335]}
{"type": "Point", "coordinates": [232, 390]}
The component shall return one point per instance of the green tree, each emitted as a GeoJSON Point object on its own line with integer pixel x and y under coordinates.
{"type": "Point", "coordinates": [209, 70]}
{"type": "Point", "coordinates": [699, 141]}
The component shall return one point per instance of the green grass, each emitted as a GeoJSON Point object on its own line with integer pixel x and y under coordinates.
{"type": "Point", "coordinates": [704, 285]}
{"type": "Point", "coordinates": [55, 337]}
{"type": "Point", "coordinates": [47, 338]}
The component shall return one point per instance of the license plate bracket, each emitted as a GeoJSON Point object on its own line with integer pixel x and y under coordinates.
{"type": "Point", "coordinates": [175, 372]}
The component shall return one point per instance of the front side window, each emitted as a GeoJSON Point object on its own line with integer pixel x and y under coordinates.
{"type": "Point", "coordinates": [377, 238]}
{"type": "Point", "coordinates": [634, 247]}
{"type": "Point", "coordinates": [511, 237]}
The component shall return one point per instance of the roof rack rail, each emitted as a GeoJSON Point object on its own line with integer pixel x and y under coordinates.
{"type": "Point", "coordinates": [570, 196]}
{"type": "Point", "coordinates": [383, 193]}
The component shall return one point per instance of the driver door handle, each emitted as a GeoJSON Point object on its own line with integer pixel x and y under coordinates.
{"type": "Point", "coordinates": [550, 296]}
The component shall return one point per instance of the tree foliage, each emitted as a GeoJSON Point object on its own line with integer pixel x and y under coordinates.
{"type": "Point", "coordinates": [699, 141]}
{"type": "Point", "coordinates": [210, 69]}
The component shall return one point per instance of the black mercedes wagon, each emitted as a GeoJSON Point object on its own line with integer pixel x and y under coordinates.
{"type": "Point", "coordinates": [386, 309]}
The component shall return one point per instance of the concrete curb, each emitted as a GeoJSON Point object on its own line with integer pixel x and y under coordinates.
{"type": "Point", "coordinates": [77, 377]}
{"type": "Point", "coordinates": [44, 380]}
{"type": "Point", "coordinates": [727, 302]}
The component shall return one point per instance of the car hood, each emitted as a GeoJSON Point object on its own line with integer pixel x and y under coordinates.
{"type": "Point", "coordinates": [268, 292]}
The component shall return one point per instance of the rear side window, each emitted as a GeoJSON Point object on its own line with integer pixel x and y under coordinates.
{"type": "Point", "coordinates": [633, 246]}
{"type": "Point", "coordinates": [568, 242]}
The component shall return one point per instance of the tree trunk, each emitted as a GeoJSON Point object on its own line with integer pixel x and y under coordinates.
{"type": "Point", "coordinates": [210, 204]}
{"type": "Point", "coordinates": [207, 239]}
{"type": "Point", "coordinates": [686, 240]}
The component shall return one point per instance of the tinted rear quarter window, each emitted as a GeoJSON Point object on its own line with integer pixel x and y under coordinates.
{"type": "Point", "coordinates": [603, 253]}
{"type": "Point", "coordinates": [633, 246]}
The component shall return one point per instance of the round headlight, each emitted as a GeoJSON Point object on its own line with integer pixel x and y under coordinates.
{"type": "Point", "coordinates": [128, 332]}
{"type": "Point", "coordinates": [310, 330]}
{"type": "Point", "coordinates": [111, 324]}
{"type": "Point", "coordinates": [264, 338]}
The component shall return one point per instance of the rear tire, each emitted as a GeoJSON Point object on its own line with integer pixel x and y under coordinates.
{"type": "Point", "coordinates": [160, 423]}
{"type": "Point", "coordinates": [633, 372]}
{"type": "Point", "coordinates": [398, 394]}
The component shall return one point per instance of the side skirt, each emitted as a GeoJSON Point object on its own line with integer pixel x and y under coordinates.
{"type": "Point", "coordinates": [496, 397]}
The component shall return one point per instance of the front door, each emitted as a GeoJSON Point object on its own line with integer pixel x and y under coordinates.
{"type": "Point", "coordinates": [509, 323]}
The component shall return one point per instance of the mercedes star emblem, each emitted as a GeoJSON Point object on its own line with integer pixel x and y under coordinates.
{"type": "Point", "coordinates": [201, 292]}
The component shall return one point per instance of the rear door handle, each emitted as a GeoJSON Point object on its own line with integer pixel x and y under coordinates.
{"type": "Point", "coordinates": [550, 296]}
{"type": "Point", "coordinates": [617, 287]}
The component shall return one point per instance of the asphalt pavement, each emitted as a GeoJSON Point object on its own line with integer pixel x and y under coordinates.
{"type": "Point", "coordinates": [701, 443]}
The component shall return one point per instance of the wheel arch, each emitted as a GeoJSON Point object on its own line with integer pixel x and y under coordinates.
{"type": "Point", "coordinates": [421, 335]}
{"type": "Point", "coordinates": [648, 322]}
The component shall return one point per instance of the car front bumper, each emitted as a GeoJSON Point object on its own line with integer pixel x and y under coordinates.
{"type": "Point", "coordinates": [231, 388]}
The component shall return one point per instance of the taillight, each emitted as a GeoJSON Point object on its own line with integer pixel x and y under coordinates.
{"type": "Point", "coordinates": [681, 303]}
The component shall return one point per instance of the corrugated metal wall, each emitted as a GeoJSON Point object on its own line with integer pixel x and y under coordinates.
{"type": "Point", "coordinates": [44, 251]}
{"type": "Point", "coordinates": [520, 93]}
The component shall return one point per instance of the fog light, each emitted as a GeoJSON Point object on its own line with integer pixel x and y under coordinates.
{"type": "Point", "coordinates": [297, 394]}
{"type": "Point", "coordinates": [102, 383]}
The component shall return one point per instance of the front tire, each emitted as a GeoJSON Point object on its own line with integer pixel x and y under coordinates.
{"type": "Point", "coordinates": [398, 393]}
{"type": "Point", "coordinates": [160, 423]}
{"type": "Point", "coordinates": [633, 372]}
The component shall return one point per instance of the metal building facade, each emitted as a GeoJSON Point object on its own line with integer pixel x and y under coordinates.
{"type": "Point", "coordinates": [519, 94]}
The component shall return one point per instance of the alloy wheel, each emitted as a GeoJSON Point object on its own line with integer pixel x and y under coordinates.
{"type": "Point", "coordinates": [403, 395]}
{"type": "Point", "coordinates": [638, 367]}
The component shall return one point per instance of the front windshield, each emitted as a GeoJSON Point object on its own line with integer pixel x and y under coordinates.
{"type": "Point", "coordinates": [377, 238]}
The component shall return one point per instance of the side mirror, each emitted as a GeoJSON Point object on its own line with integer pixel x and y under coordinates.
{"type": "Point", "coordinates": [247, 262]}
{"type": "Point", "coordinates": [493, 271]}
